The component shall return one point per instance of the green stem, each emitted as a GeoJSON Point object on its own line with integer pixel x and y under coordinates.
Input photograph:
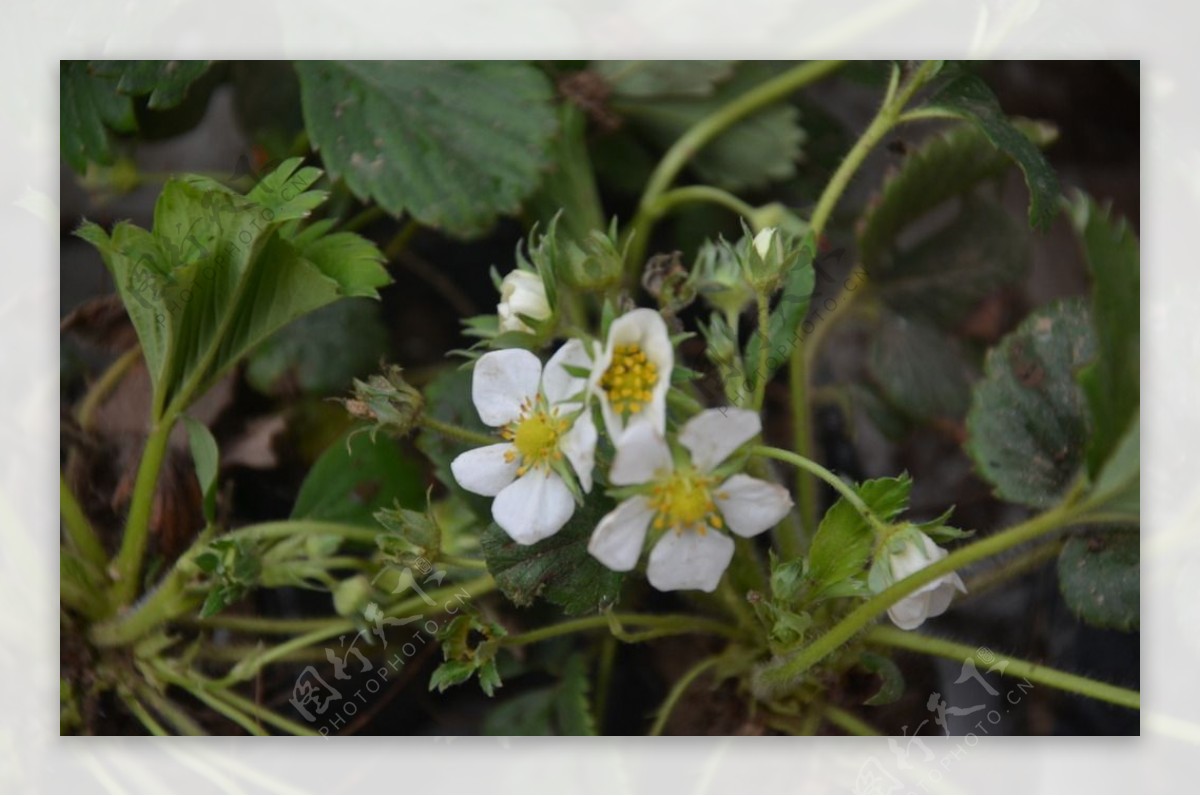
{"type": "Point", "coordinates": [400, 240]}
{"type": "Point", "coordinates": [677, 692]}
{"type": "Point", "coordinates": [174, 715]}
{"type": "Point", "coordinates": [1013, 667]}
{"type": "Point", "coordinates": [367, 216]}
{"type": "Point", "coordinates": [127, 566]}
{"type": "Point", "coordinates": [824, 474]}
{"type": "Point", "coordinates": [803, 355]}
{"type": "Point", "coordinates": [704, 131]}
{"type": "Point", "coordinates": [458, 432]}
{"type": "Point", "coordinates": [462, 562]}
{"type": "Point", "coordinates": [670, 624]}
{"type": "Point", "coordinates": [141, 714]}
{"type": "Point", "coordinates": [701, 193]}
{"type": "Point", "coordinates": [849, 722]}
{"type": "Point", "coordinates": [778, 676]}
{"type": "Point", "coordinates": [764, 346]}
{"type": "Point", "coordinates": [231, 702]}
{"type": "Point", "coordinates": [1018, 565]}
{"type": "Point", "coordinates": [267, 716]}
{"type": "Point", "coordinates": [265, 625]}
{"type": "Point", "coordinates": [79, 531]}
{"type": "Point", "coordinates": [228, 711]}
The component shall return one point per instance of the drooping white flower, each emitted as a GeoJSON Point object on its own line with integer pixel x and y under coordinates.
{"type": "Point", "coordinates": [540, 415]}
{"type": "Point", "coordinates": [685, 502]}
{"type": "Point", "coordinates": [905, 552]}
{"type": "Point", "coordinates": [521, 293]}
{"type": "Point", "coordinates": [633, 373]}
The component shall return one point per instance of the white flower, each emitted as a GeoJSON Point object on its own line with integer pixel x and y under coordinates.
{"type": "Point", "coordinates": [684, 502]}
{"type": "Point", "coordinates": [906, 552]}
{"type": "Point", "coordinates": [633, 373]}
{"type": "Point", "coordinates": [521, 293]}
{"type": "Point", "coordinates": [762, 241]}
{"type": "Point", "coordinates": [541, 424]}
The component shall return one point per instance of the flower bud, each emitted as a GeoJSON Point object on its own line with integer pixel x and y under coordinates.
{"type": "Point", "coordinates": [907, 551]}
{"type": "Point", "coordinates": [522, 293]}
{"type": "Point", "coordinates": [719, 278]}
{"type": "Point", "coordinates": [594, 264]}
{"type": "Point", "coordinates": [387, 400]}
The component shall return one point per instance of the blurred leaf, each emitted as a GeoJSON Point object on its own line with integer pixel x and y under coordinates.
{"type": "Point", "coordinates": [558, 569]}
{"type": "Point", "coordinates": [452, 143]}
{"type": "Point", "coordinates": [560, 709]}
{"type": "Point", "coordinates": [1117, 488]}
{"type": "Point", "coordinates": [844, 540]}
{"type": "Point", "coordinates": [783, 327]}
{"type": "Point", "coordinates": [322, 352]}
{"type": "Point", "coordinates": [266, 98]}
{"type": "Point", "coordinates": [920, 369]}
{"type": "Point", "coordinates": [355, 478]}
{"type": "Point", "coordinates": [760, 149]}
{"type": "Point", "coordinates": [204, 452]}
{"type": "Point", "coordinates": [892, 679]}
{"type": "Point", "coordinates": [166, 82]}
{"type": "Point", "coordinates": [657, 79]}
{"type": "Point", "coordinates": [967, 96]}
{"type": "Point", "coordinates": [95, 98]}
{"type": "Point", "coordinates": [1099, 577]}
{"type": "Point", "coordinates": [944, 166]}
{"type": "Point", "coordinates": [943, 278]}
{"type": "Point", "coordinates": [469, 646]}
{"type": "Point", "coordinates": [1028, 422]}
{"type": "Point", "coordinates": [1112, 383]}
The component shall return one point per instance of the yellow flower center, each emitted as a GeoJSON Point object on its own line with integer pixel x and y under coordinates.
{"type": "Point", "coordinates": [684, 502]}
{"type": "Point", "coordinates": [629, 379]}
{"type": "Point", "coordinates": [535, 435]}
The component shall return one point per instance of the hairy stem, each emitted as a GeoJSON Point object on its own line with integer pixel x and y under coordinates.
{"type": "Point", "coordinates": [458, 432]}
{"type": "Point", "coordinates": [1013, 667]}
{"type": "Point", "coordinates": [701, 193]}
{"type": "Point", "coordinates": [127, 566]}
{"type": "Point", "coordinates": [808, 465]}
{"type": "Point", "coordinates": [671, 624]}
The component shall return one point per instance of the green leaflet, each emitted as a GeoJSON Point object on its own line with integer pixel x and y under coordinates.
{"type": "Point", "coordinates": [453, 143]}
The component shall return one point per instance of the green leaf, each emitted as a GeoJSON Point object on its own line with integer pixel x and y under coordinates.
{"type": "Point", "coordinates": [204, 452]}
{"type": "Point", "coordinates": [558, 569]}
{"type": "Point", "coordinates": [944, 166]}
{"type": "Point", "coordinates": [320, 353]}
{"type": "Point", "coordinates": [1028, 422]}
{"type": "Point", "coordinates": [919, 369]}
{"type": "Point", "coordinates": [967, 96]}
{"type": "Point", "coordinates": [95, 98]}
{"type": "Point", "coordinates": [451, 673]}
{"type": "Point", "coordinates": [657, 79]}
{"type": "Point", "coordinates": [453, 143]}
{"type": "Point", "coordinates": [1098, 575]}
{"type": "Point", "coordinates": [1116, 491]}
{"type": "Point", "coordinates": [892, 679]}
{"type": "Point", "coordinates": [758, 150]}
{"type": "Point", "coordinates": [284, 192]}
{"type": "Point", "coordinates": [1112, 384]}
{"type": "Point", "coordinates": [844, 540]}
{"type": "Point", "coordinates": [783, 325]}
{"type": "Point", "coordinates": [560, 709]}
{"type": "Point", "coordinates": [355, 478]}
{"type": "Point", "coordinates": [946, 275]}
{"type": "Point", "coordinates": [216, 276]}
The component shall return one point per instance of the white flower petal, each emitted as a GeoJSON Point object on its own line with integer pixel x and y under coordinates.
{"type": "Point", "coordinates": [911, 612]}
{"type": "Point", "coordinates": [715, 433]}
{"type": "Point", "coordinates": [617, 540]}
{"type": "Point", "coordinates": [941, 597]}
{"type": "Point", "coordinates": [521, 293]}
{"type": "Point", "coordinates": [484, 471]}
{"type": "Point", "coordinates": [689, 560]}
{"type": "Point", "coordinates": [502, 380]}
{"type": "Point", "coordinates": [647, 329]}
{"type": "Point", "coordinates": [579, 445]}
{"type": "Point", "coordinates": [751, 505]}
{"type": "Point", "coordinates": [557, 384]}
{"type": "Point", "coordinates": [535, 506]}
{"type": "Point", "coordinates": [642, 453]}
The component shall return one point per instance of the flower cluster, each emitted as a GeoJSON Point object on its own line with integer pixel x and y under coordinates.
{"type": "Point", "coordinates": [682, 492]}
